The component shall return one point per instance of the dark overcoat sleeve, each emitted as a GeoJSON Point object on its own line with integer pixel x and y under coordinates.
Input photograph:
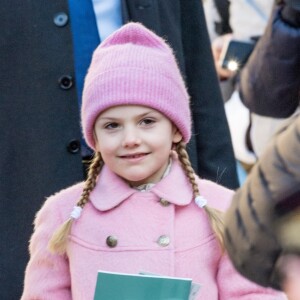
{"type": "Point", "coordinates": [39, 124]}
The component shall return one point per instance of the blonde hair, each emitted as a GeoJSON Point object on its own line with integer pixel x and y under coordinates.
{"type": "Point", "coordinates": [59, 239]}
{"type": "Point", "coordinates": [215, 216]}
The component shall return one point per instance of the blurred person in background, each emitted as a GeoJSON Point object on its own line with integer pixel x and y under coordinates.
{"type": "Point", "coordinates": [271, 74]}
{"type": "Point", "coordinates": [45, 50]}
{"type": "Point", "coordinates": [262, 224]}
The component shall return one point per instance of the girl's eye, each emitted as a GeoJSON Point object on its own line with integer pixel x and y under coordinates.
{"type": "Point", "coordinates": [147, 121]}
{"type": "Point", "coordinates": [111, 126]}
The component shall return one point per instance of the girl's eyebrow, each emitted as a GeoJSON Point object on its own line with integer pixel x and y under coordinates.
{"type": "Point", "coordinates": [108, 118]}
{"type": "Point", "coordinates": [146, 113]}
{"type": "Point", "coordinates": [142, 115]}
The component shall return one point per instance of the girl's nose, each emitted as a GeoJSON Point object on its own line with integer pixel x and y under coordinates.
{"type": "Point", "coordinates": [131, 138]}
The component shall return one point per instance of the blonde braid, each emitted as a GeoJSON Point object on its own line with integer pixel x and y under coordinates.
{"type": "Point", "coordinates": [94, 170]}
{"type": "Point", "coordinates": [215, 216]}
{"type": "Point", "coordinates": [59, 239]}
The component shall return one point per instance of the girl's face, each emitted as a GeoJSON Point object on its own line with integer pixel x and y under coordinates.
{"type": "Point", "coordinates": [135, 142]}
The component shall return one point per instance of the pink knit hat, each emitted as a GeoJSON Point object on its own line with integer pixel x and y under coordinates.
{"type": "Point", "coordinates": [133, 66]}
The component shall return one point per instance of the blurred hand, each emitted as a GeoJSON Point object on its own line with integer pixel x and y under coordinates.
{"type": "Point", "coordinates": [217, 46]}
{"type": "Point", "coordinates": [290, 266]}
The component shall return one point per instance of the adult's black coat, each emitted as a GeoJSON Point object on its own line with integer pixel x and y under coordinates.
{"type": "Point", "coordinates": [39, 115]}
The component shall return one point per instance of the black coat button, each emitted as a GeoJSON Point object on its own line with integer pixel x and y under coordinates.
{"type": "Point", "coordinates": [74, 146]}
{"type": "Point", "coordinates": [65, 82]}
{"type": "Point", "coordinates": [61, 19]}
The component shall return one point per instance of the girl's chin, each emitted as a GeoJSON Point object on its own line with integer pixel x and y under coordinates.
{"type": "Point", "coordinates": [138, 178]}
{"type": "Point", "coordinates": [137, 181]}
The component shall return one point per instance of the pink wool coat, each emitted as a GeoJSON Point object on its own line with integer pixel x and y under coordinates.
{"type": "Point", "coordinates": [138, 220]}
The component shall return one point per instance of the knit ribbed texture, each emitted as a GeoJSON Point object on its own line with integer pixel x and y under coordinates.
{"type": "Point", "coordinates": [133, 66]}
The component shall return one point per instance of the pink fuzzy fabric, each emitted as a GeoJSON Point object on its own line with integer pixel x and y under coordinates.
{"type": "Point", "coordinates": [133, 66]}
{"type": "Point", "coordinates": [137, 219]}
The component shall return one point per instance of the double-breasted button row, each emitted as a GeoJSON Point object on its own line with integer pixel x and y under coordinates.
{"type": "Point", "coordinates": [65, 82]}
{"type": "Point", "coordinates": [163, 241]}
{"type": "Point", "coordinates": [61, 19]}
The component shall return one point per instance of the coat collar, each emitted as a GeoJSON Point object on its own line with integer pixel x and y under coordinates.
{"type": "Point", "coordinates": [111, 190]}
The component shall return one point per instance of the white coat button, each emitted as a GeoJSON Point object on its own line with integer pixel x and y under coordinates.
{"type": "Point", "coordinates": [163, 241]}
{"type": "Point", "coordinates": [164, 202]}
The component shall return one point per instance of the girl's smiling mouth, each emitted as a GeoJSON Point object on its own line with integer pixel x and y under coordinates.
{"type": "Point", "coordinates": [133, 155]}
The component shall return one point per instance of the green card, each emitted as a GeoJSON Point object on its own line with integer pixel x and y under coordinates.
{"type": "Point", "coordinates": [120, 286]}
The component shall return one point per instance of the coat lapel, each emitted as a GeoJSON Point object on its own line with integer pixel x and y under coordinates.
{"type": "Point", "coordinates": [111, 190]}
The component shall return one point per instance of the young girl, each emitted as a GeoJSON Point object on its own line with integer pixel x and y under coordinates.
{"type": "Point", "coordinates": [142, 207]}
